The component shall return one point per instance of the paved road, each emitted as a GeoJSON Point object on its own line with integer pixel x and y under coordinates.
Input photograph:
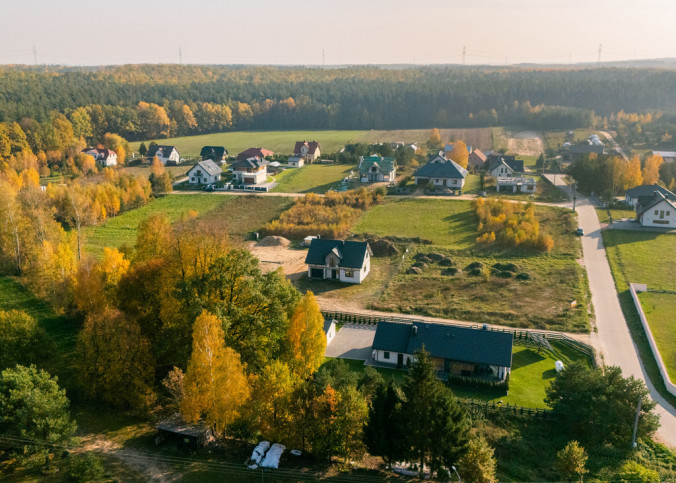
{"type": "Point", "coordinates": [613, 339]}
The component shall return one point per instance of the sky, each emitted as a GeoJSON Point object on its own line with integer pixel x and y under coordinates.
{"type": "Point", "coordinates": [498, 32]}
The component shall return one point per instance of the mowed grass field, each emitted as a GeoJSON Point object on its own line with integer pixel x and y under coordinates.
{"type": "Point", "coordinates": [242, 215]}
{"type": "Point", "coordinates": [660, 310]}
{"type": "Point", "coordinates": [641, 257]}
{"type": "Point", "coordinates": [448, 227]}
{"type": "Point", "coordinates": [604, 214]}
{"type": "Point", "coordinates": [283, 141]}
{"type": "Point", "coordinates": [313, 178]}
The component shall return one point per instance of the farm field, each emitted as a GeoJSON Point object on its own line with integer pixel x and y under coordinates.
{"type": "Point", "coordinates": [283, 141]}
{"type": "Point", "coordinates": [313, 178]}
{"type": "Point", "coordinates": [532, 371]}
{"type": "Point", "coordinates": [540, 298]}
{"type": "Point", "coordinates": [243, 214]}
{"type": "Point", "coordinates": [641, 257]}
{"type": "Point", "coordinates": [660, 310]}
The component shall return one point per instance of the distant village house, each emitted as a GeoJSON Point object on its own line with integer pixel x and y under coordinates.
{"type": "Point", "coordinates": [204, 172]}
{"type": "Point", "coordinates": [218, 154]}
{"type": "Point", "coordinates": [442, 173]}
{"type": "Point", "coordinates": [103, 157]}
{"type": "Point", "coordinates": [308, 151]}
{"type": "Point", "coordinates": [647, 191]}
{"type": "Point", "coordinates": [657, 211]}
{"type": "Point", "coordinates": [345, 261]}
{"type": "Point", "coordinates": [376, 168]}
{"type": "Point", "coordinates": [251, 171]}
{"type": "Point", "coordinates": [259, 153]}
{"type": "Point", "coordinates": [166, 154]}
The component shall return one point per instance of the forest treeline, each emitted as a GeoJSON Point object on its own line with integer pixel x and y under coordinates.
{"type": "Point", "coordinates": [155, 101]}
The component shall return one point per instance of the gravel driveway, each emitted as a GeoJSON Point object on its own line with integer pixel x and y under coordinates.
{"type": "Point", "coordinates": [353, 341]}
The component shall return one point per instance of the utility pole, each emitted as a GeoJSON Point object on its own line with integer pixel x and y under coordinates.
{"type": "Point", "coordinates": [323, 58]}
{"type": "Point", "coordinates": [599, 60]}
{"type": "Point", "coordinates": [463, 55]}
{"type": "Point", "coordinates": [638, 413]}
{"type": "Point", "coordinates": [180, 56]}
{"type": "Point", "coordinates": [35, 55]}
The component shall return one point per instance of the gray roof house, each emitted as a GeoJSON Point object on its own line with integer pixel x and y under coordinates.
{"type": "Point", "coordinates": [455, 351]}
{"type": "Point", "coordinates": [633, 195]}
{"type": "Point", "coordinates": [214, 153]}
{"type": "Point", "coordinates": [377, 168]}
{"type": "Point", "coordinates": [656, 211]}
{"type": "Point", "coordinates": [442, 173]}
{"type": "Point", "coordinates": [504, 166]}
{"type": "Point", "coordinates": [346, 261]}
{"type": "Point", "coordinates": [204, 172]}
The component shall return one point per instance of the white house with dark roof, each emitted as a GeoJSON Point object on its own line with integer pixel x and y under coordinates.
{"type": "Point", "coordinates": [166, 154]}
{"type": "Point", "coordinates": [250, 171]}
{"type": "Point", "coordinates": [204, 172]}
{"type": "Point", "coordinates": [657, 211]}
{"type": "Point", "coordinates": [442, 173]}
{"type": "Point", "coordinates": [307, 150]}
{"type": "Point", "coordinates": [346, 261]}
{"type": "Point", "coordinates": [455, 351]}
{"type": "Point", "coordinates": [329, 330]}
{"type": "Point", "coordinates": [633, 195]}
{"type": "Point", "coordinates": [295, 162]}
{"type": "Point", "coordinates": [103, 157]}
{"type": "Point", "coordinates": [373, 169]}
{"type": "Point", "coordinates": [504, 166]}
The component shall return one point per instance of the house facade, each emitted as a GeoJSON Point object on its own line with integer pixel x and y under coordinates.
{"type": "Point", "coordinates": [329, 330]}
{"type": "Point", "coordinates": [204, 172]}
{"type": "Point", "coordinates": [374, 169]}
{"type": "Point", "coordinates": [295, 162]}
{"type": "Point", "coordinates": [217, 154]}
{"type": "Point", "coordinates": [309, 151]}
{"type": "Point", "coordinates": [166, 154]}
{"type": "Point", "coordinates": [591, 145]}
{"type": "Point", "coordinates": [516, 184]}
{"type": "Point", "coordinates": [476, 159]}
{"type": "Point", "coordinates": [250, 171]}
{"type": "Point", "coordinates": [646, 191]}
{"type": "Point", "coordinates": [442, 173]}
{"type": "Point", "coordinates": [259, 153]}
{"type": "Point", "coordinates": [504, 166]}
{"type": "Point", "coordinates": [658, 212]}
{"type": "Point", "coordinates": [455, 351]}
{"type": "Point", "coordinates": [345, 261]}
{"type": "Point", "coordinates": [103, 157]}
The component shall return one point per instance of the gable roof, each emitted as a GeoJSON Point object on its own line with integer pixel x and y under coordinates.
{"type": "Point", "coordinates": [385, 164]}
{"type": "Point", "coordinates": [327, 324]}
{"type": "Point", "coordinates": [479, 154]}
{"type": "Point", "coordinates": [649, 190]}
{"type": "Point", "coordinates": [350, 253]}
{"type": "Point", "coordinates": [249, 163]}
{"type": "Point", "coordinates": [516, 165]}
{"type": "Point", "coordinates": [100, 154]}
{"type": "Point", "coordinates": [213, 152]}
{"type": "Point", "coordinates": [440, 167]}
{"type": "Point", "coordinates": [209, 166]}
{"type": "Point", "coordinates": [656, 199]}
{"type": "Point", "coordinates": [254, 153]}
{"type": "Point", "coordinates": [312, 147]}
{"type": "Point", "coordinates": [461, 344]}
{"type": "Point", "coordinates": [160, 150]}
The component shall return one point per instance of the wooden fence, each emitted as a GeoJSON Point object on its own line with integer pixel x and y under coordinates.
{"type": "Point", "coordinates": [522, 335]}
{"type": "Point", "coordinates": [492, 406]}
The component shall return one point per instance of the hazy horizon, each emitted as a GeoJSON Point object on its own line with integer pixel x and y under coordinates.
{"type": "Point", "coordinates": [300, 32]}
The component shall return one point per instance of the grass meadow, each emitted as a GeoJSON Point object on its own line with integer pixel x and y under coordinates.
{"type": "Point", "coordinates": [660, 310]}
{"type": "Point", "coordinates": [313, 178]}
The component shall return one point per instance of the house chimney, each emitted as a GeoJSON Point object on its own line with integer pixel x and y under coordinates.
{"type": "Point", "coordinates": [414, 329]}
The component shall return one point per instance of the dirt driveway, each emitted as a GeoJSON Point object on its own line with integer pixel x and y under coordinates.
{"type": "Point", "coordinates": [526, 143]}
{"type": "Point", "coordinates": [291, 260]}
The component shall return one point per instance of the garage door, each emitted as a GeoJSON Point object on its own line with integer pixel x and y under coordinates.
{"type": "Point", "coordinates": [317, 273]}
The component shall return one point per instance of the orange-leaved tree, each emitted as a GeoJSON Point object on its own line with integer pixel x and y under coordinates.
{"type": "Point", "coordinates": [633, 176]}
{"type": "Point", "coordinates": [215, 385]}
{"type": "Point", "coordinates": [651, 170]}
{"type": "Point", "coordinates": [306, 338]}
{"type": "Point", "coordinates": [459, 154]}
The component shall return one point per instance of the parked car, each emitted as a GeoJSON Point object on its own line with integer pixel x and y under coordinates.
{"type": "Point", "coordinates": [579, 232]}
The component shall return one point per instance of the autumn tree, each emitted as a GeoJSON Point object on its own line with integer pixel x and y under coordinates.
{"type": "Point", "coordinates": [350, 417]}
{"type": "Point", "coordinates": [142, 149]}
{"type": "Point", "coordinates": [215, 384]}
{"type": "Point", "coordinates": [33, 407]}
{"type": "Point", "coordinates": [434, 141]}
{"type": "Point", "coordinates": [79, 212]}
{"type": "Point", "coordinates": [154, 121]}
{"type": "Point", "coordinates": [115, 364]}
{"type": "Point", "coordinates": [651, 169]}
{"type": "Point", "coordinates": [12, 226]}
{"type": "Point", "coordinates": [571, 461]}
{"type": "Point", "coordinates": [22, 340]}
{"type": "Point", "coordinates": [459, 154]}
{"type": "Point", "coordinates": [478, 464]}
{"type": "Point", "coordinates": [305, 336]}
{"type": "Point", "coordinates": [160, 178]}
{"type": "Point", "coordinates": [633, 176]}
{"type": "Point", "coordinates": [269, 410]}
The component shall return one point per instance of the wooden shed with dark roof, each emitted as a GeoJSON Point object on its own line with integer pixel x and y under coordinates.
{"type": "Point", "coordinates": [455, 351]}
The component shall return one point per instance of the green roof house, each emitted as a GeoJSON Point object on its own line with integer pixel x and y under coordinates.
{"type": "Point", "coordinates": [376, 168]}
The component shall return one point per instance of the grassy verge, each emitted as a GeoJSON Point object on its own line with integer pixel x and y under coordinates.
{"type": "Point", "coordinates": [314, 178]}
{"type": "Point", "coordinates": [638, 257]}
{"type": "Point", "coordinates": [660, 311]}
{"type": "Point", "coordinates": [603, 214]}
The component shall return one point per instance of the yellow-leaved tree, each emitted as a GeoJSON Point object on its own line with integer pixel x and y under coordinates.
{"type": "Point", "coordinates": [633, 176]}
{"type": "Point", "coordinates": [434, 141]}
{"type": "Point", "coordinates": [215, 385]}
{"type": "Point", "coordinates": [306, 338]}
{"type": "Point", "coordinates": [269, 410]}
{"type": "Point", "coordinates": [459, 154]}
{"type": "Point", "coordinates": [651, 170]}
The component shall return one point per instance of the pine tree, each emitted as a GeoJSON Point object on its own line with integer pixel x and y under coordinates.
{"type": "Point", "coordinates": [383, 431]}
{"type": "Point", "coordinates": [306, 338]}
{"type": "Point", "coordinates": [215, 384]}
{"type": "Point", "coordinates": [571, 461]}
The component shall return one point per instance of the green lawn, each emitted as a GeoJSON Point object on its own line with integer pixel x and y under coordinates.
{"type": "Point", "coordinates": [660, 310]}
{"type": "Point", "coordinates": [531, 374]}
{"type": "Point", "coordinates": [602, 213]}
{"type": "Point", "coordinates": [642, 257]}
{"type": "Point", "coordinates": [313, 178]}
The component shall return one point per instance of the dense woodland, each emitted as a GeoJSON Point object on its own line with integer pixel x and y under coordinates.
{"type": "Point", "coordinates": [155, 101]}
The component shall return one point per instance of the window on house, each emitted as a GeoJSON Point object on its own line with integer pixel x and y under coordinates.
{"type": "Point", "coordinates": [656, 212]}
{"type": "Point", "coordinates": [349, 273]}
{"type": "Point", "coordinates": [386, 355]}
{"type": "Point", "coordinates": [332, 262]}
